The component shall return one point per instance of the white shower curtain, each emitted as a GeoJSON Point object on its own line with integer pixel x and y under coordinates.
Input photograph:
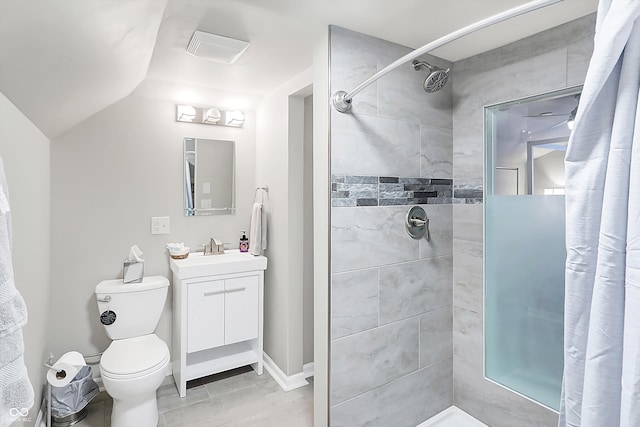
{"type": "Point", "coordinates": [601, 385]}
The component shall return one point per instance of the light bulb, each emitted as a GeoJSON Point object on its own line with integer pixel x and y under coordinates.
{"type": "Point", "coordinates": [186, 113]}
{"type": "Point", "coordinates": [212, 116]}
{"type": "Point", "coordinates": [234, 118]}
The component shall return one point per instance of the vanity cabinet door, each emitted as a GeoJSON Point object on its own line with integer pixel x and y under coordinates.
{"type": "Point", "coordinates": [205, 325]}
{"type": "Point", "coordinates": [241, 307]}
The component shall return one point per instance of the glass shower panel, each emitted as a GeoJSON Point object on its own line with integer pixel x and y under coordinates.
{"type": "Point", "coordinates": [524, 294]}
{"type": "Point", "coordinates": [525, 243]}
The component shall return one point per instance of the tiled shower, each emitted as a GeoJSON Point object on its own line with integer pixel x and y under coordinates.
{"type": "Point", "coordinates": [391, 296]}
{"type": "Point", "coordinates": [407, 315]}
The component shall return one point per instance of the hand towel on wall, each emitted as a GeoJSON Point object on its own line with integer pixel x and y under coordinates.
{"type": "Point", "coordinates": [16, 392]}
{"type": "Point", "coordinates": [258, 232]}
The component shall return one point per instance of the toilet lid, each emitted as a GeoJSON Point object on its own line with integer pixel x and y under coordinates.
{"type": "Point", "coordinates": [134, 355]}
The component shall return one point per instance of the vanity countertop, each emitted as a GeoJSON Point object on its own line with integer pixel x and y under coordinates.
{"type": "Point", "coordinates": [232, 261]}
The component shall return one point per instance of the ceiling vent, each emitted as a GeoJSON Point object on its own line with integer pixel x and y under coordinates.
{"type": "Point", "coordinates": [216, 48]}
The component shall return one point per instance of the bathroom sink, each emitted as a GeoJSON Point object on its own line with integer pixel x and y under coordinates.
{"type": "Point", "coordinates": [232, 261]}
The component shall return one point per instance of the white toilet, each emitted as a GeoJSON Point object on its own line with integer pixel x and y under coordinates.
{"type": "Point", "coordinates": [135, 364]}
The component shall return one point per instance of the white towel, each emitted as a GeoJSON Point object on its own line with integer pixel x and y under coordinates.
{"type": "Point", "coordinates": [258, 232]}
{"type": "Point", "coordinates": [16, 392]}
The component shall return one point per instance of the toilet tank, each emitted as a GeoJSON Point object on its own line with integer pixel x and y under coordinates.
{"type": "Point", "coordinates": [132, 309]}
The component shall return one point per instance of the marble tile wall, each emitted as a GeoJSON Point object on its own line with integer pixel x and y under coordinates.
{"type": "Point", "coordinates": [391, 296]}
{"type": "Point", "coordinates": [544, 62]}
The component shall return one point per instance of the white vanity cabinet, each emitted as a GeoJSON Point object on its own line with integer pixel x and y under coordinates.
{"type": "Point", "coordinates": [217, 314]}
{"type": "Point", "coordinates": [222, 311]}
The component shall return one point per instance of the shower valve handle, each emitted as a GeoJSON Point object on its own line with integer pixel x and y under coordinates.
{"type": "Point", "coordinates": [417, 222]}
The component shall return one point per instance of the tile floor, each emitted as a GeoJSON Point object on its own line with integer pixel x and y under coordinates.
{"type": "Point", "coordinates": [238, 398]}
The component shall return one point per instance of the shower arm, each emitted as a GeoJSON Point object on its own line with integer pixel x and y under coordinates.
{"type": "Point", "coordinates": [341, 100]}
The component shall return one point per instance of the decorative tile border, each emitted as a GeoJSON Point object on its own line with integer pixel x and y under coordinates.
{"type": "Point", "coordinates": [358, 190]}
{"type": "Point", "coordinates": [468, 194]}
{"type": "Point", "coordinates": [352, 190]}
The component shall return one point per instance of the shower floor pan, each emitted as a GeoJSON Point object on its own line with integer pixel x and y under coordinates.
{"type": "Point", "coordinates": [452, 417]}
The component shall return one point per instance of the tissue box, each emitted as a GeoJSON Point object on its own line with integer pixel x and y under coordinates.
{"type": "Point", "coordinates": [133, 271]}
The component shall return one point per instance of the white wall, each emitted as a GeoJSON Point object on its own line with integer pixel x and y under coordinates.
{"type": "Point", "coordinates": [278, 164]}
{"type": "Point", "coordinates": [110, 174]}
{"type": "Point", "coordinates": [548, 171]}
{"type": "Point", "coordinates": [25, 151]}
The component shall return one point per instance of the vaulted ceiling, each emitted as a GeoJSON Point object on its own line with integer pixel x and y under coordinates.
{"type": "Point", "coordinates": [62, 61]}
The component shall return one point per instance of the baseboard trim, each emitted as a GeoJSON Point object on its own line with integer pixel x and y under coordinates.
{"type": "Point", "coordinates": [286, 382]}
{"type": "Point", "coordinates": [308, 369]}
{"type": "Point", "coordinates": [98, 381]}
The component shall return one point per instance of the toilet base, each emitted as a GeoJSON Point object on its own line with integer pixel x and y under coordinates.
{"type": "Point", "coordinates": [139, 412]}
{"type": "Point", "coordinates": [134, 394]}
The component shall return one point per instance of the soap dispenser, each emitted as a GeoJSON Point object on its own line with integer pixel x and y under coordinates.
{"type": "Point", "coordinates": [244, 243]}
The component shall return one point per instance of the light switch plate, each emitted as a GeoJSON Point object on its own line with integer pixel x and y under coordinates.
{"type": "Point", "coordinates": [160, 225]}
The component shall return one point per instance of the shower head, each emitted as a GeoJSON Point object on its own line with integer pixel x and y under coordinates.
{"type": "Point", "coordinates": [436, 79]}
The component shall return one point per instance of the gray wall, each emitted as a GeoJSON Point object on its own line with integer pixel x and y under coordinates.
{"type": "Point", "coordinates": [109, 176]}
{"type": "Point", "coordinates": [25, 152]}
{"type": "Point", "coordinates": [391, 296]}
{"type": "Point", "coordinates": [547, 61]}
{"type": "Point", "coordinates": [321, 228]}
{"type": "Point", "coordinates": [280, 165]}
{"type": "Point", "coordinates": [307, 304]}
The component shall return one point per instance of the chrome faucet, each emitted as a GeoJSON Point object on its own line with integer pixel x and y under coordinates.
{"type": "Point", "coordinates": [215, 247]}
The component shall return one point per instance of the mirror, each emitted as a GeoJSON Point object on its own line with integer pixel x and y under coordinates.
{"type": "Point", "coordinates": [209, 177]}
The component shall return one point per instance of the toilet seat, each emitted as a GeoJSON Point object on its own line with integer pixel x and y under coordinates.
{"type": "Point", "coordinates": [134, 357]}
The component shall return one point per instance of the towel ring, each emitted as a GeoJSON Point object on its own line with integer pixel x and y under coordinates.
{"type": "Point", "coordinates": [264, 189]}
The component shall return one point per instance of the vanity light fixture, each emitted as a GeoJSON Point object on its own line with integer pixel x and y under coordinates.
{"type": "Point", "coordinates": [209, 116]}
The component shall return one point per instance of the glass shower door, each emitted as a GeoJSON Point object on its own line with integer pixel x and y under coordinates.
{"type": "Point", "coordinates": [525, 245]}
{"type": "Point", "coordinates": [524, 294]}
